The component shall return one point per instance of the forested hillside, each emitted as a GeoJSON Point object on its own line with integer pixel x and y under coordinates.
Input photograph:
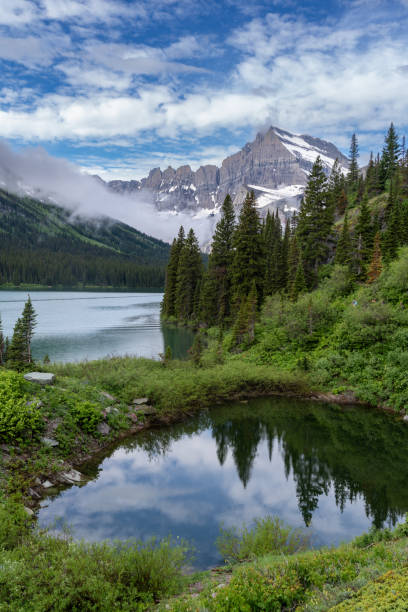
{"type": "Point", "coordinates": [43, 244]}
{"type": "Point", "coordinates": [327, 296]}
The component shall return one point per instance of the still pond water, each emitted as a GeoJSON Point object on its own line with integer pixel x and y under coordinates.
{"type": "Point", "coordinates": [73, 326]}
{"type": "Point", "coordinates": [337, 470]}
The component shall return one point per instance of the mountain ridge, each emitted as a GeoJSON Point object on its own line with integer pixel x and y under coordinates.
{"type": "Point", "coordinates": [272, 162]}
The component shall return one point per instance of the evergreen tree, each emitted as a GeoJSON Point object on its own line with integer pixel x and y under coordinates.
{"type": "Point", "coordinates": [299, 284]}
{"type": "Point", "coordinates": [273, 248]}
{"type": "Point", "coordinates": [216, 295]}
{"type": "Point", "coordinates": [344, 249]}
{"type": "Point", "coordinates": [364, 230]}
{"type": "Point", "coordinates": [315, 222]}
{"type": "Point", "coordinates": [391, 236]}
{"type": "Point", "coordinates": [168, 307]}
{"type": "Point", "coordinates": [188, 277]}
{"type": "Point", "coordinates": [375, 268]}
{"type": "Point", "coordinates": [16, 353]}
{"type": "Point", "coordinates": [29, 319]}
{"type": "Point", "coordinates": [353, 173]}
{"type": "Point", "coordinates": [293, 261]}
{"type": "Point", "coordinates": [284, 257]}
{"type": "Point", "coordinates": [244, 327]}
{"type": "Point", "coordinates": [390, 155]}
{"type": "Point", "coordinates": [249, 256]}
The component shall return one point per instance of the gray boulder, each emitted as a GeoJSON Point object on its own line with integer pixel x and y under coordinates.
{"type": "Point", "coordinates": [103, 429]}
{"type": "Point", "coordinates": [41, 378]}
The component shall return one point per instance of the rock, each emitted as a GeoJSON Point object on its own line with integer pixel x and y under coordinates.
{"type": "Point", "coordinates": [140, 400]}
{"type": "Point", "coordinates": [35, 403]}
{"type": "Point", "coordinates": [103, 429]}
{"type": "Point", "coordinates": [32, 493]}
{"type": "Point", "coordinates": [29, 511]}
{"type": "Point", "coordinates": [108, 396]}
{"type": "Point", "coordinates": [144, 409]}
{"type": "Point", "coordinates": [405, 418]}
{"type": "Point", "coordinates": [72, 476]}
{"type": "Point", "coordinates": [41, 378]}
{"type": "Point", "coordinates": [47, 484]}
{"type": "Point", "coordinates": [49, 442]}
{"type": "Point", "coordinates": [37, 481]}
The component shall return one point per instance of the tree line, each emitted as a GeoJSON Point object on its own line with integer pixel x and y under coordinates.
{"type": "Point", "coordinates": [252, 258]}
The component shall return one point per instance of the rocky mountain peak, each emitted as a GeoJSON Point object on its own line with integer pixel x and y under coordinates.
{"type": "Point", "coordinates": [275, 165]}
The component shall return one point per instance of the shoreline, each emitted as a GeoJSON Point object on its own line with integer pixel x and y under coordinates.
{"type": "Point", "coordinates": [157, 420]}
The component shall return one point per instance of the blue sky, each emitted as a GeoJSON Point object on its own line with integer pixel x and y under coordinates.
{"type": "Point", "coordinates": [121, 86]}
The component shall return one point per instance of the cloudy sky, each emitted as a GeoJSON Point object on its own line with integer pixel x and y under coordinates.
{"type": "Point", "coordinates": [121, 86]}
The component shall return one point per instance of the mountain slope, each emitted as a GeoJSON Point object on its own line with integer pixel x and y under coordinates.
{"type": "Point", "coordinates": [275, 161]}
{"type": "Point", "coordinates": [42, 243]}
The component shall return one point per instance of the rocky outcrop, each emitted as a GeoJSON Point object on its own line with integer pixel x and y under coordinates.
{"type": "Point", "coordinates": [275, 161]}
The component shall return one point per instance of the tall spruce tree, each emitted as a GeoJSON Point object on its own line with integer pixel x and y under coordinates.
{"type": "Point", "coordinates": [315, 223]}
{"type": "Point", "coordinates": [353, 173]}
{"type": "Point", "coordinates": [390, 155]}
{"type": "Point", "coordinates": [336, 185]}
{"type": "Point", "coordinates": [343, 255]}
{"type": "Point", "coordinates": [29, 319]}
{"type": "Point", "coordinates": [215, 306]}
{"type": "Point", "coordinates": [298, 285]}
{"type": "Point", "coordinates": [273, 257]}
{"type": "Point", "coordinates": [168, 307]}
{"type": "Point", "coordinates": [249, 255]}
{"type": "Point", "coordinates": [189, 274]}
{"type": "Point", "coordinates": [375, 267]}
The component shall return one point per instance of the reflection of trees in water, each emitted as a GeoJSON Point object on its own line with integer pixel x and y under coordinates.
{"type": "Point", "coordinates": [179, 339]}
{"type": "Point", "coordinates": [352, 450]}
{"type": "Point", "coordinates": [357, 452]}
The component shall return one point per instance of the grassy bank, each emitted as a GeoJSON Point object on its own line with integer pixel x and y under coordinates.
{"type": "Point", "coordinates": [267, 570]}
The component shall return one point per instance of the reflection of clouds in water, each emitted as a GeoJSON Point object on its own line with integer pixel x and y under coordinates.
{"type": "Point", "coordinates": [187, 488]}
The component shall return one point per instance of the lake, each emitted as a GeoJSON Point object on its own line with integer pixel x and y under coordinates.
{"type": "Point", "coordinates": [333, 470]}
{"type": "Point", "coordinates": [73, 326]}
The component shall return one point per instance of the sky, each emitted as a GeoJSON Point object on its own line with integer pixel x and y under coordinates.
{"type": "Point", "coordinates": [118, 87]}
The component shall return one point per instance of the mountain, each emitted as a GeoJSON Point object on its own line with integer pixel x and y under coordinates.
{"type": "Point", "coordinates": [42, 243]}
{"type": "Point", "coordinates": [275, 165]}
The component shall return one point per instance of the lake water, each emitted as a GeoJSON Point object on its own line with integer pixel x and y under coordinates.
{"type": "Point", "coordinates": [336, 470]}
{"type": "Point", "coordinates": [89, 325]}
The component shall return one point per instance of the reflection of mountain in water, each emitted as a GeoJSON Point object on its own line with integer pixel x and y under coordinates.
{"type": "Point", "coordinates": [357, 452]}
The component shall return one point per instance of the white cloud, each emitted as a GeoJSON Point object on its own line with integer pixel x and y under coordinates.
{"type": "Point", "coordinates": [17, 12]}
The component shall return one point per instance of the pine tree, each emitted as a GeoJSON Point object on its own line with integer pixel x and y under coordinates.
{"type": "Point", "coordinates": [168, 307]}
{"type": "Point", "coordinates": [299, 284]}
{"type": "Point", "coordinates": [344, 249]}
{"type": "Point", "coordinates": [353, 173]}
{"type": "Point", "coordinates": [284, 258]}
{"type": "Point", "coordinates": [188, 277]}
{"type": "Point", "coordinates": [375, 268]}
{"type": "Point", "coordinates": [29, 319]}
{"type": "Point", "coordinates": [315, 222]}
{"type": "Point", "coordinates": [244, 329]}
{"type": "Point", "coordinates": [216, 299]}
{"type": "Point", "coordinates": [16, 353]}
{"type": "Point", "coordinates": [390, 155]}
{"type": "Point", "coordinates": [391, 236]}
{"type": "Point", "coordinates": [273, 248]}
{"type": "Point", "coordinates": [293, 261]}
{"type": "Point", "coordinates": [249, 256]}
{"type": "Point", "coordinates": [364, 230]}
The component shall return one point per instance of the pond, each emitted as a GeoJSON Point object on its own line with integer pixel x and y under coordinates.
{"type": "Point", "coordinates": [73, 325]}
{"type": "Point", "coordinates": [333, 470]}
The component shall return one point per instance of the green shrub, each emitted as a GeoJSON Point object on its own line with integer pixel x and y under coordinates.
{"type": "Point", "coordinates": [19, 421]}
{"type": "Point", "coordinates": [14, 523]}
{"type": "Point", "coordinates": [58, 574]}
{"type": "Point", "coordinates": [86, 415]}
{"type": "Point", "coordinates": [268, 535]}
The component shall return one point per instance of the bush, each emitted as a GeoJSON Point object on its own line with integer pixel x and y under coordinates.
{"type": "Point", "coordinates": [268, 535]}
{"type": "Point", "coordinates": [58, 574]}
{"type": "Point", "coordinates": [14, 523]}
{"type": "Point", "coordinates": [86, 415]}
{"type": "Point", "coordinates": [18, 420]}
